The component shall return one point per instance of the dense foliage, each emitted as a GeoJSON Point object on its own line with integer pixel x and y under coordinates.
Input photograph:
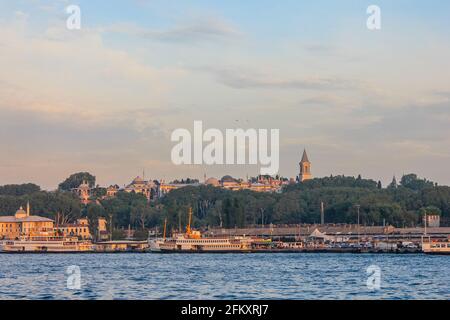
{"type": "Point", "coordinates": [75, 180]}
{"type": "Point", "coordinates": [18, 189]}
{"type": "Point", "coordinates": [300, 203]}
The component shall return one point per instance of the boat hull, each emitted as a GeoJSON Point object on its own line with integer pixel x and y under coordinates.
{"type": "Point", "coordinates": [438, 253]}
{"type": "Point", "coordinates": [202, 251]}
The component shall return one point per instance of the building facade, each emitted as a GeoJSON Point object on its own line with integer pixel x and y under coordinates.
{"type": "Point", "coordinates": [79, 229]}
{"type": "Point", "coordinates": [260, 184]}
{"type": "Point", "coordinates": [148, 188]}
{"type": "Point", "coordinates": [112, 191]}
{"type": "Point", "coordinates": [432, 220]}
{"type": "Point", "coordinates": [24, 224]}
{"type": "Point", "coordinates": [103, 233]}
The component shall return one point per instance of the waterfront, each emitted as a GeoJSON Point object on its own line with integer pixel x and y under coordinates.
{"type": "Point", "coordinates": [225, 276]}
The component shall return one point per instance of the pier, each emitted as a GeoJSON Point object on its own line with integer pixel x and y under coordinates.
{"type": "Point", "coordinates": [338, 232]}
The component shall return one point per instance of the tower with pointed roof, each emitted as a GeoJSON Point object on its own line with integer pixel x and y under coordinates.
{"type": "Point", "coordinates": [305, 168]}
{"type": "Point", "coordinates": [393, 184]}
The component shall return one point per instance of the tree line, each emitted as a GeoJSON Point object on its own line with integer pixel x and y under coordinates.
{"type": "Point", "coordinates": [401, 205]}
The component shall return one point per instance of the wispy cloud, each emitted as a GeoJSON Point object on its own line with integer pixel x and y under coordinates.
{"type": "Point", "coordinates": [245, 79]}
{"type": "Point", "coordinates": [197, 30]}
{"type": "Point", "coordinates": [105, 98]}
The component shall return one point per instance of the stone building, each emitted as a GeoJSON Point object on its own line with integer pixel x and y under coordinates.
{"type": "Point", "coordinates": [78, 229]}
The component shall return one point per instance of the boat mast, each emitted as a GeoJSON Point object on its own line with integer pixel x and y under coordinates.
{"type": "Point", "coordinates": [188, 228]}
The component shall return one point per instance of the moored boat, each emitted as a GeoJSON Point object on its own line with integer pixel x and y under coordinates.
{"type": "Point", "coordinates": [192, 241]}
{"type": "Point", "coordinates": [436, 247]}
{"type": "Point", "coordinates": [42, 244]}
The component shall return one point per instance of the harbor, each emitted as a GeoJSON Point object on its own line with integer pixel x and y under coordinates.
{"type": "Point", "coordinates": [296, 240]}
{"type": "Point", "coordinates": [25, 233]}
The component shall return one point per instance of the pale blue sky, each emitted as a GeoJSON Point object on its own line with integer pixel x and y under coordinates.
{"type": "Point", "coordinates": [106, 98]}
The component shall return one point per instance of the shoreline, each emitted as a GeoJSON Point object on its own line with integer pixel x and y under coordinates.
{"type": "Point", "coordinates": [354, 252]}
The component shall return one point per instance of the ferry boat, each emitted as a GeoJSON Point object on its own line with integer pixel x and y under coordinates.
{"type": "Point", "coordinates": [436, 247]}
{"type": "Point", "coordinates": [192, 241]}
{"type": "Point", "coordinates": [42, 244]}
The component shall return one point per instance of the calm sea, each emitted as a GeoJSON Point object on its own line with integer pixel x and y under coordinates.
{"type": "Point", "coordinates": [224, 276]}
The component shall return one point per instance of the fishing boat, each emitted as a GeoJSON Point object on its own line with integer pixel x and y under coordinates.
{"type": "Point", "coordinates": [192, 241]}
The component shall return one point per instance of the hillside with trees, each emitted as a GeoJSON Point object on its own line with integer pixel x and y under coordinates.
{"type": "Point", "coordinates": [401, 204]}
{"type": "Point", "coordinates": [398, 205]}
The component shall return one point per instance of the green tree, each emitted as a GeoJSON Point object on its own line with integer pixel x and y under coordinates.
{"type": "Point", "coordinates": [430, 210]}
{"type": "Point", "coordinates": [75, 180]}
{"type": "Point", "coordinates": [93, 213]}
{"type": "Point", "coordinates": [19, 189]}
{"type": "Point", "coordinates": [411, 181]}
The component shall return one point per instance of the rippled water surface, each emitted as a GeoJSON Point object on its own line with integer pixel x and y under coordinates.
{"type": "Point", "coordinates": [224, 276]}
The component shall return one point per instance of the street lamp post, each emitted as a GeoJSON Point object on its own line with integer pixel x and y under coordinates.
{"type": "Point", "coordinates": [357, 208]}
{"type": "Point", "coordinates": [111, 227]}
{"type": "Point", "coordinates": [425, 224]}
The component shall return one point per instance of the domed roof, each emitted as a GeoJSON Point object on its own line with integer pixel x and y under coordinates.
{"type": "Point", "coordinates": [228, 179]}
{"type": "Point", "coordinates": [84, 185]}
{"type": "Point", "coordinates": [212, 182]}
{"type": "Point", "coordinates": [138, 180]}
{"type": "Point", "coordinates": [20, 213]}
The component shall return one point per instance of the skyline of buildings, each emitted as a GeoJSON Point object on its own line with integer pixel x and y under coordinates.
{"type": "Point", "coordinates": [158, 187]}
{"type": "Point", "coordinates": [153, 189]}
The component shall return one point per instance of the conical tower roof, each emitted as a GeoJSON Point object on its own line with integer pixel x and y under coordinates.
{"type": "Point", "coordinates": [305, 157]}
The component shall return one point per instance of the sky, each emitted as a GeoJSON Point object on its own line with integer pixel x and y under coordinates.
{"type": "Point", "coordinates": [106, 98]}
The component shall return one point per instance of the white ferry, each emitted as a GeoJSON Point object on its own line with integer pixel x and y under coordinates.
{"type": "Point", "coordinates": [185, 243]}
{"type": "Point", "coordinates": [192, 241]}
{"type": "Point", "coordinates": [40, 244]}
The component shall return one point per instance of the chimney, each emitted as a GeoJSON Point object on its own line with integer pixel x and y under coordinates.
{"type": "Point", "coordinates": [28, 208]}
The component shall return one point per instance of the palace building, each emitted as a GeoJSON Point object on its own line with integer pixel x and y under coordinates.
{"type": "Point", "coordinates": [148, 188]}
{"type": "Point", "coordinates": [260, 184]}
{"type": "Point", "coordinates": [155, 189]}
{"type": "Point", "coordinates": [23, 224]}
